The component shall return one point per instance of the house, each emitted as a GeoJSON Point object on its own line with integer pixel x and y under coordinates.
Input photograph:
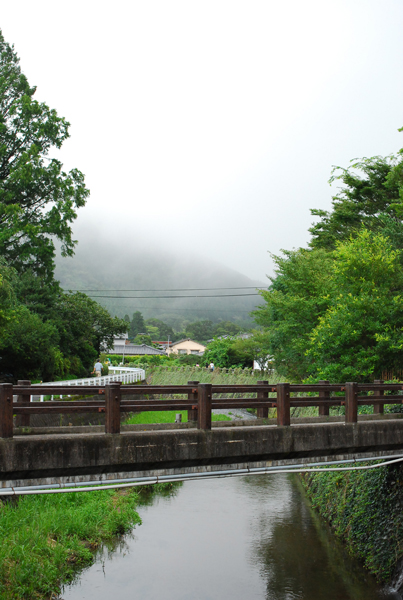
{"type": "Point", "coordinates": [186, 346]}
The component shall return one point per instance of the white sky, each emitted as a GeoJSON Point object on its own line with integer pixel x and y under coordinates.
{"type": "Point", "coordinates": [212, 126]}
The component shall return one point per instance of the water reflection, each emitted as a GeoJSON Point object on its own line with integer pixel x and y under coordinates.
{"type": "Point", "coordinates": [299, 558]}
{"type": "Point", "coordinates": [249, 537]}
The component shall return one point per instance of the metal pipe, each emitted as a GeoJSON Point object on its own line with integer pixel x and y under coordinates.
{"type": "Point", "coordinates": [140, 481]}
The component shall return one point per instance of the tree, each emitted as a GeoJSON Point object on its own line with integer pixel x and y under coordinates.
{"type": "Point", "coordinates": [137, 325]}
{"type": "Point", "coordinates": [361, 332]}
{"type": "Point", "coordinates": [7, 294]}
{"type": "Point", "coordinates": [257, 348]}
{"type": "Point", "coordinates": [372, 188]}
{"type": "Point", "coordinates": [299, 295]}
{"type": "Point", "coordinates": [38, 200]}
{"type": "Point", "coordinates": [200, 330]}
{"type": "Point", "coordinates": [85, 329]}
{"type": "Point", "coordinates": [222, 353]}
{"type": "Point", "coordinates": [163, 330]}
{"type": "Point", "coordinates": [29, 348]}
{"type": "Point", "coordinates": [225, 328]}
{"type": "Point", "coordinates": [143, 338]}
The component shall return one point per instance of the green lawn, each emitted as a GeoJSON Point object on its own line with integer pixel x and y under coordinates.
{"type": "Point", "coordinates": [165, 416]}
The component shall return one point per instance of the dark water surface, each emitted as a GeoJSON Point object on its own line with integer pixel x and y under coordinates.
{"type": "Point", "coordinates": [239, 538]}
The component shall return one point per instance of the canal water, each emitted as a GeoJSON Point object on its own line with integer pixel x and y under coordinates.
{"type": "Point", "coordinates": [252, 538]}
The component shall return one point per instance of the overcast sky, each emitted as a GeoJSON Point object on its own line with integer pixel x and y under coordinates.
{"type": "Point", "coordinates": [212, 126]}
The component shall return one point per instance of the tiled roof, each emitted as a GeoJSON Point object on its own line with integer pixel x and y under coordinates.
{"type": "Point", "coordinates": [135, 349]}
{"type": "Point", "coordinates": [186, 340]}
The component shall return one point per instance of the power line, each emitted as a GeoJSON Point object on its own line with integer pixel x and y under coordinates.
{"type": "Point", "coordinates": [169, 309]}
{"type": "Point", "coordinates": [161, 297]}
{"type": "Point", "coordinates": [250, 287]}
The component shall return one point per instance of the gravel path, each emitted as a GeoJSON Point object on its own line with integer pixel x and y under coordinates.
{"type": "Point", "coordinates": [235, 413]}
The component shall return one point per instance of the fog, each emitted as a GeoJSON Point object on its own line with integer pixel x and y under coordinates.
{"type": "Point", "coordinates": [125, 275]}
{"type": "Point", "coordinates": [210, 128]}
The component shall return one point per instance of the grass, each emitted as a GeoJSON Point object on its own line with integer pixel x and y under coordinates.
{"type": "Point", "coordinates": [45, 540]}
{"type": "Point", "coordinates": [167, 416]}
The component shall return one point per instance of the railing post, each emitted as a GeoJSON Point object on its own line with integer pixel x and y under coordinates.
{"type": "Point", "coordinates": [379, 408]}
{"type": "Point", "coordinates": [204, 406]}
{"type": "Point", "coordinates": [324, 410]}
{"type": "Point", "coordinates": [351, 402]}
{"type": "Point", "coordinates": [6, 410]}
{"type": "Point", "coordinates": [262, 411]}
{"type": "Point", "coordinates": [192, 413]}
{"type": "Point", "coordinates": [112, 408]}
{"type": "Point", "coordinates": [24, 400]}
{"type": "Point", "coordinates": [283, 404]}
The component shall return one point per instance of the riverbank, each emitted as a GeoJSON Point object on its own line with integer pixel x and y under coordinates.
{"type": "Point", "coordinates": [364, 509]}
{"type": "Point", "coordinates": [46, 540]}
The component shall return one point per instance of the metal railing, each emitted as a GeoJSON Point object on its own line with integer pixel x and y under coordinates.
{"type": "Point", "coordinates": [200, 399]}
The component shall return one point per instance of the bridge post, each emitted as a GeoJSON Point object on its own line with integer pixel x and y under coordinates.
{"type": "Point", "coordinates": [379, 408]}
{"type": "Point", "coordinates": [283, 404]}
{"type": "Point", "coordinates": [351, 403]}
{"type": "Point", "coordinates": [6, 410]}
{"type": "Point", "coordinates": [204, 406]}
{"type": "Point", "coordinates": [324, 410]}
{"type": "Point", "coordinates": [192, 396]}
{"type": "Point", "coordinates": [24, 400]}
{"type": "Point", "coordinates": [262, 411]}
{"type": "Point", "coordinates": [112, 407]}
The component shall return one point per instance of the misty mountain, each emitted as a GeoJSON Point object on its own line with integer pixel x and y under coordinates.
{"type": "Point", "coordinates": [106, 268]}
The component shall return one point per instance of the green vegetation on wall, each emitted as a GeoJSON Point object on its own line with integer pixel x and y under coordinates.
{"type": "Point", "coordinates": [364, 509]}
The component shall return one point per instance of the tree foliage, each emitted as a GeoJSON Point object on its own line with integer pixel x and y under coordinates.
{"type": "Point", "coordinates": [361, 332]}
{"type": "Point", "coordinates": [222, 352]}
{"type": "Point", "coordinates": [38, 200]}
{"type": "Point", "coordinates": [137, 325]}
{"type": "Point", "coordinates": [372, 188]}
{"type": "Point", "coordinates": [334, 311]}
{"type": "Point", "coordinates": [162, 329]}
{"type": "Point", "coordinates": [298, 296]}
{"type": "Point", "coordinates": [256, 347]}
{"type": "Point", "coordinates": [85, 328]}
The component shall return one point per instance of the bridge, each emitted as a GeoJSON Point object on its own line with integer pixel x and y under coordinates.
{"type": "Point", "coordinates": [32, 456]}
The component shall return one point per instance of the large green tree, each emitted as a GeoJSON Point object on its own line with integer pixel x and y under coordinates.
{"type": "Point", "coordinates": [38, 200]}
{"type": "Point", "coordinates": [299, 294]}
{"type": "Point", "coordinates": [361, 333]}
{"type": "Point", "coordinates": [255, 347]}
{"type": "Point", "coordinates": [163, 331]}
{"type": "Point", "coordinates": [200, 330]}
{"type": "Point", "coordinates": [85, 329]}
{"type": "Point", "coordinates": [137, 325]}
{"type": "Point", "coordinates": [371, 189]}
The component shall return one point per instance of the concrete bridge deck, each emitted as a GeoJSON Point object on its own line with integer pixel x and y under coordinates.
{"type": "Point", "coordinates": [92, 454]}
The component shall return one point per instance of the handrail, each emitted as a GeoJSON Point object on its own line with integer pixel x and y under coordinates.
{"type": "Point", "coordinates": [200, 399]}
{"type": "Point", "coordinates": [125, 375]}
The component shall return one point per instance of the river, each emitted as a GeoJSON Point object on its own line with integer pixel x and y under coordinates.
{"type": "Point", "coordinates": [239, 538]}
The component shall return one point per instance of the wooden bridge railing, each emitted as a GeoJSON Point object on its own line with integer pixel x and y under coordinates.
{"type": "Point", "coordinates": [200, 399]}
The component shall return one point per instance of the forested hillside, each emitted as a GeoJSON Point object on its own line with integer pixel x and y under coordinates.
{"type": "Point", "coordinates": [125, 264]}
